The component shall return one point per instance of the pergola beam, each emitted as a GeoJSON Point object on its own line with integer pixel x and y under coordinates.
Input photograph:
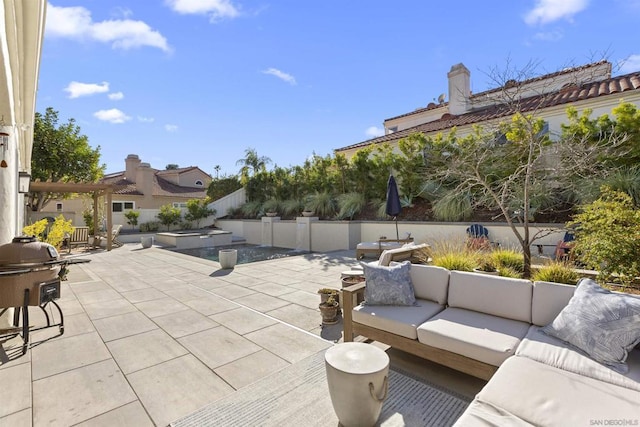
{"type": "Point", "coordinates": [72, 187]}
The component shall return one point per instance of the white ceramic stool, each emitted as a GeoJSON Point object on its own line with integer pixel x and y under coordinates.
{"type": "Point", "coordinates": [357, 375]}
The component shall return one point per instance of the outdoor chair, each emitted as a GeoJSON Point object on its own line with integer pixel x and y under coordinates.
{"type": "Point", "coordinates": [376, 248]}
{"type": "Point", "coordinates": [115, 231]}
{"type": "Point", "coordinates": [563, 248]}
{"type": "Point", "coordinates": [478, 237]}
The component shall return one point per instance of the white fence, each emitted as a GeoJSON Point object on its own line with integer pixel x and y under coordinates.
{"type": "Point", "coordinates": [233, 200]}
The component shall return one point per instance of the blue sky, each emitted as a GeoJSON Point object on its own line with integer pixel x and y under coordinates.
{"type": "Point", "coordinates": [197, 82]}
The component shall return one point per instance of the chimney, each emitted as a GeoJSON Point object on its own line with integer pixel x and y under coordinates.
{"type": "Point", "coordinates": [459, 89]}
{"type": "Point", "coordinates": [144, 179]}
{"type": "Point", "coordinates": [132, 162]}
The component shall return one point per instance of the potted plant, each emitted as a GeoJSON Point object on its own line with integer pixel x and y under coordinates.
{"type": "Point", "coordinates": [271, 207]}
{"type": "Point", "coordinates": [487, 266]}
{"type": "Point", "coordinates": [329, 311]}
{"type": "Point", "coordinates": [325, 293]}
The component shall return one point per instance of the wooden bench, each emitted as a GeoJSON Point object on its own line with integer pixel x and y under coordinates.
{"type": "Point", "coordinates": [79, 237]}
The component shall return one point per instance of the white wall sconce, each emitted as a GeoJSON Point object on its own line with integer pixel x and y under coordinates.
{"type": "Point", "coordinates": [24, 181]}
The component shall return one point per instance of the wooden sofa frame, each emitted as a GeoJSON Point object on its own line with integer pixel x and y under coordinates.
{"type": "Point", "coordinates": [360, 253]}
{"type": "Point", "coordinates": [350, 297]}
{"type": "Point", "coordinates": [79, 237]}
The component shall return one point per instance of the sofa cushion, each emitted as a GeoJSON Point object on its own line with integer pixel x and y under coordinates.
{"type": "Point", "coordinates": [548, 301]}
{"type": "Point", "coordinates": [430, 282]}
{"type": "Point", "coordinates": [388, 285]}
{"type": "Point", "coordinates": [557, 353]}
{"type": "Point", "coordinates": [401, 321]}
{"type": "Point", "coordinates": [489, 339]}
{"type": "Point", "coordinates": [500, 296]}
{"type": "Point", "coordinates": [485, 414]}
{"type": "Point", "coordinates": [604, 324]}
{"type": "Point", "coordinates": [546, 396]}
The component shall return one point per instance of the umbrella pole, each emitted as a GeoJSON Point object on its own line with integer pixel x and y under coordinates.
{"type": "Point", "coordinates": [397, 233]}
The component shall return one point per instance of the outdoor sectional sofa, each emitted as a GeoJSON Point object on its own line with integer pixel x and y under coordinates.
{"type": "Point", "coordinates": [490, 327]}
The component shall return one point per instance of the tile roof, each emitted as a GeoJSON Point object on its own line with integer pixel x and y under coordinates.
{"type": "Point", "coordinates": [161, 187]}
{"type": "Point", "coordinates": [567, 95]}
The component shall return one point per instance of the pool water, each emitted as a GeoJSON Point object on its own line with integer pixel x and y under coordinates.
{"type": "Point", "coordinates": [246, 253]}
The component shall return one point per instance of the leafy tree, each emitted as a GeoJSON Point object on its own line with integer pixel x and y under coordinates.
{"type": "Point", "coordinates": [171, 166]}
{"type": "Point", "coordinates": [219, 188]}
{"type": "Point", "coordinates": [510, 166]}
{"type": "Point", "coordinates": [198, 210]}
{"type": "Point", "coordinates": [61, 154]}
{"type": "Point", "coordinates": [608, 236]}
{"type": "Point", "coordinates": [252, 163]}
{"type": "Point", "coordinates": [169, 215]}
{"type": "Point", "coordinates": [132, 217]}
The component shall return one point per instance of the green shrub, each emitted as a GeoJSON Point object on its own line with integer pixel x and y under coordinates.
{"type": "Point", "coordinates": [558, 272]}
{"type": "Point", "coordinates": [454, 261]}
{"type": "Point", "coordinates": [251, 209]}
{"type": "Point", "coordinates": [607, 233]}
{"type": "Point", "coordinates": [321, 203]}
{"type": "Point", "coordinates": [508, 258]}
{"type": "Point", "coordinates": [292, 207]}
{"type": "Point", "coordinates": [510, 272]}
{"type": "Point", "coordinates": [453, 206]}
{"type": "Point", "coordinates": [150, 227]}
{"type": "Point", "coordinates": [132, 218]}
{"type": "Point", "coordinates": [169, 215]}
{"type": "Point", "coordinates": [271, 205]}
{"type": "Point", "coordinates": [349, 204]}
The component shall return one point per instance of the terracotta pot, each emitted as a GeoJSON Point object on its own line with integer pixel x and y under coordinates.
{"type": "Point", "coordinates": [329, 314]}
{"type": "Point", "coordinates": [351, 280]}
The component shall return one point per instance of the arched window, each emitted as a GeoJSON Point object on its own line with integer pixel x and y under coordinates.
{"type": "Point", "coordinates": [199, 183]}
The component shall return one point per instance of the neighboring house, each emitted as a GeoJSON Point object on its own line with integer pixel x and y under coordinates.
{"type": "Point", "coordinates": [142, 187]}
{"type": "Point", "coordinates": [589, 86]}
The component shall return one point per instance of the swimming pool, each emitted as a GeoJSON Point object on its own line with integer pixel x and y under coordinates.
{"type": "Point", "coordinates": [246, 253]}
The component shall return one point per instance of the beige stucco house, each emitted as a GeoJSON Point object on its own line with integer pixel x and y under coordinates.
{"type": "Point", "coordinates": [589, 86]}
{"type": "Point", "coordinates": [141, 187]}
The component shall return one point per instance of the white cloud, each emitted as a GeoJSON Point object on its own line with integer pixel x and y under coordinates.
{"type": "Point", "coordinates": [76, 22]}
{"type": "Point", "coordinates": [112, 116]}
{"type": "Point", "coordinates": [546, 11]}
{"type": "Point", "coordinates": [116, 96]}
{"type": "Point", "coordinates": [146, 119]}
{"type": "Point", "coordinates": [630, 64]}
{"type": "Point", "coordinates": [215, 9]}
{"type": "Point", "coordinates": [77, 89]}
{"type": "Point", "coordinates": [171, 128]}
{"type": "Point", "coordinates": [549, 36]}
{"type": "Point", "coordinates": [281, 75]}
{"type": "Point", "coordinates": [374, 131]}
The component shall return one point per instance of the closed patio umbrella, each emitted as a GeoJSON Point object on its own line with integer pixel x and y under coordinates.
{"type": "Point", "coordinates": [393, 207]}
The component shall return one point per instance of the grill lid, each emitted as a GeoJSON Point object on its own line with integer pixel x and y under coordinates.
{"type": "Point", "coordinates": [26, 251]}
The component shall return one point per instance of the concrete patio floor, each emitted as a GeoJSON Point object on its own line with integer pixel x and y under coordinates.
{"type": "Point", "coordinates": [153, 335]}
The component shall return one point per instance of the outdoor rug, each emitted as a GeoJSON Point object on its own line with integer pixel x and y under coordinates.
{"type": "Point", "coordinates": [298, 395]}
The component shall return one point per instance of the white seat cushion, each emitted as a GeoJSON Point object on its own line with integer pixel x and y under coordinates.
{"type": "Point", "coordinates": [376, 245]}
{"type": "Point", "coordinates": [485, 414]}
{"type": "Point", "coordinates": [397, 320]}
{"type": "Point", "coordinates": [489, 339]}
{"type": "Point", "coordinates": [546, 349]}
{"type": "Point", "coordinates": [546, 396]}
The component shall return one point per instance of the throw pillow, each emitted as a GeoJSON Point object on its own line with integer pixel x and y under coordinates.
{"type": "Point", "coordinates": [388, 285]}
{"type": "Point", "coordinates": [603, 324]}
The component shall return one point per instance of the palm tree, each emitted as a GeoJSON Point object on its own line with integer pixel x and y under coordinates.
{"type": "Point", "coordinates": [252, 164]}
{"type": "Point", "coordinates": [217, 169]}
